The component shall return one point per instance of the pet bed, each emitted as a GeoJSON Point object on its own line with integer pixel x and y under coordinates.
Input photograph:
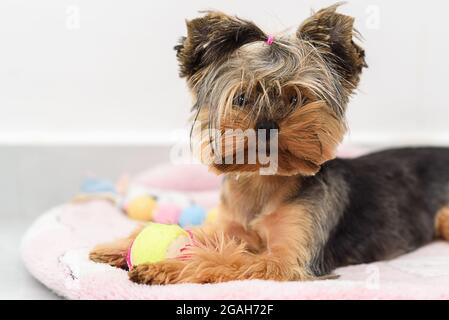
{"type": "Point", "coordinates": [55, 250]}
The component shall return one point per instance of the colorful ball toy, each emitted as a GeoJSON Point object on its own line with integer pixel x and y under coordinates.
{"type": "Point", "coordinates": [211, 216]}
{"type": "Point", "coordinates": [157, 242]}
{"type": "Point", "coordinates": [167, 213]}
{"type": "Point", "coordinates": [96, 189]}
{"type": "Point", "coordinates": [93, 185]}
{"type": "Point", "coordinates": [150, 205]}
{"type": "Point", "coordinates": [141, 208]}
{"type": "Point", "coordinates": [192, 216]}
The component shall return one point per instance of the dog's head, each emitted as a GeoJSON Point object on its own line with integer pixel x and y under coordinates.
{"type": "Point", "coordinates": [298, 85]}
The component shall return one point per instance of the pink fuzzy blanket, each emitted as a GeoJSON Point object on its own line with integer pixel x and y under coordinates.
{"type": "Point", "coordinates": [55, 250]}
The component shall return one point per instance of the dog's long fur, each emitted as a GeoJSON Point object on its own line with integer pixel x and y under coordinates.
{"type": "Point", "coordinates": [315, 214]}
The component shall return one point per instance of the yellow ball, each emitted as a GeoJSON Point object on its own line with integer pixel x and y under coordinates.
{"type": "Point", "coordinates": [212, 216]}
{"type": "Point", "coordinates": [157, 242]}
{"type": "Point", "coordinates": [141, 208]}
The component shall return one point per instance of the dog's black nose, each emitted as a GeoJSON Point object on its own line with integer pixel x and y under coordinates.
{"type": "Point", "coordinates": [267, 125]}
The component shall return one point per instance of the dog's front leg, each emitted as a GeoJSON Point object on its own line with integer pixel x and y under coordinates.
{"type": "Point", "coordinates": [218, 257]}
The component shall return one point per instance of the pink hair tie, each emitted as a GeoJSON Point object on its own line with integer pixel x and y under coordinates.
{"type": "Point", "coordinates": [270, 40]}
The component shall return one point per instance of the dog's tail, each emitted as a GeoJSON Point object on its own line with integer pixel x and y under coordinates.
{"type": "Point", "coordinates": [442, 223]}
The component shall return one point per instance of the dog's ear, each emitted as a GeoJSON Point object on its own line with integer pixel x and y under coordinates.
{"type": "Point", "coordinates": [211, 38]}
{"type": "Point", "coordinates": [333, 35]}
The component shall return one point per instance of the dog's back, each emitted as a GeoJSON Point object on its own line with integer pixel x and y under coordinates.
{"type": "Point", "coordinates": [391, 202]}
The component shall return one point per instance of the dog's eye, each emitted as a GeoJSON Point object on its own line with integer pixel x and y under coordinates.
{"type": "Point", "coordinates": [298, 99]}
{"type": "Point", "coordinates": [293, 99]}
{"type": "Point", "coordinates": [240, 100]}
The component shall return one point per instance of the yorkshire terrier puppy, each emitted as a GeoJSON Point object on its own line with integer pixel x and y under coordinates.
{"type": "Point", "coordinates": [312, 213]}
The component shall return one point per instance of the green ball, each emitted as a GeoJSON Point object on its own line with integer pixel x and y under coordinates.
{"type": "Point", "coordinates": [157, 242]}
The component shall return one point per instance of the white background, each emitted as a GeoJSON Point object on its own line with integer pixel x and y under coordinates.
{"type": "Point", "coordinates": [105, 71]}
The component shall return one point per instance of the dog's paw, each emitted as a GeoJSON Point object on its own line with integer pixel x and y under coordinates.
{"type": "Point", "coordinates": [165, 272]}
{"type": "Point", "coordinates": [107, 254]}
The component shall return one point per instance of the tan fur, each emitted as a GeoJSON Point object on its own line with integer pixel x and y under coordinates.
{"type": "Point", "coordinates": [442, 223]}
{"type": "Point", "coordinates": [308, 137]}
{"type": "Point", "coordinates": [219, 257]}
{"type": "Point", "coordinates": [258, 237]}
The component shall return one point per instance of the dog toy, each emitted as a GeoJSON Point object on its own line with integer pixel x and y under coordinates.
{"type": "Point", "coordinates": [157, 242]}
{"type": "Point", "coordinates": [163, 206]}
{"type": "Point", "coordinates": [92, 185]}
{"type": "Point", "coordinates": [141, 208]}
{"type": "Point", "coordinates": [211, 216]}
{"type": "Point", "coordinates": [147, 204]}
{"type": "Point", "coordinates": [192, 216]}
{"type": "Point", "coordinates": [97, 189]}
{"type": "Point", "coordinates": [167, 213]}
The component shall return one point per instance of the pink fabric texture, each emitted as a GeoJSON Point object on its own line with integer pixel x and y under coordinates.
{"type": "Point", "coordinates": [190, 178]}
{"type": "Point", "coordinates": [55, 250]}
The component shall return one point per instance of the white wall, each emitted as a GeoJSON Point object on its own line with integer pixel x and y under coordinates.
{"type": "Point", "coordinates": [105, 71]}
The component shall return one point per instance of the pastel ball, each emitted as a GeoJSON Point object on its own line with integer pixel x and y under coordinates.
{"type": "Point", "coordinates": [192, 216]}
{"type": "Point", "coordinates": [141, 208]}
{"type": "Point", "coordinates": [212, 216]}
{"type": "Point", "coordinates": [167, 213]}
{"type": "Point", "coordinates": [157, 242]}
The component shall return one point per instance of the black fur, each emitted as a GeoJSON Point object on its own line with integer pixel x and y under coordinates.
{"type": "Point", "coordinates": [211, 39]}
{"type": "Point", "coordinates": [391, 199]}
